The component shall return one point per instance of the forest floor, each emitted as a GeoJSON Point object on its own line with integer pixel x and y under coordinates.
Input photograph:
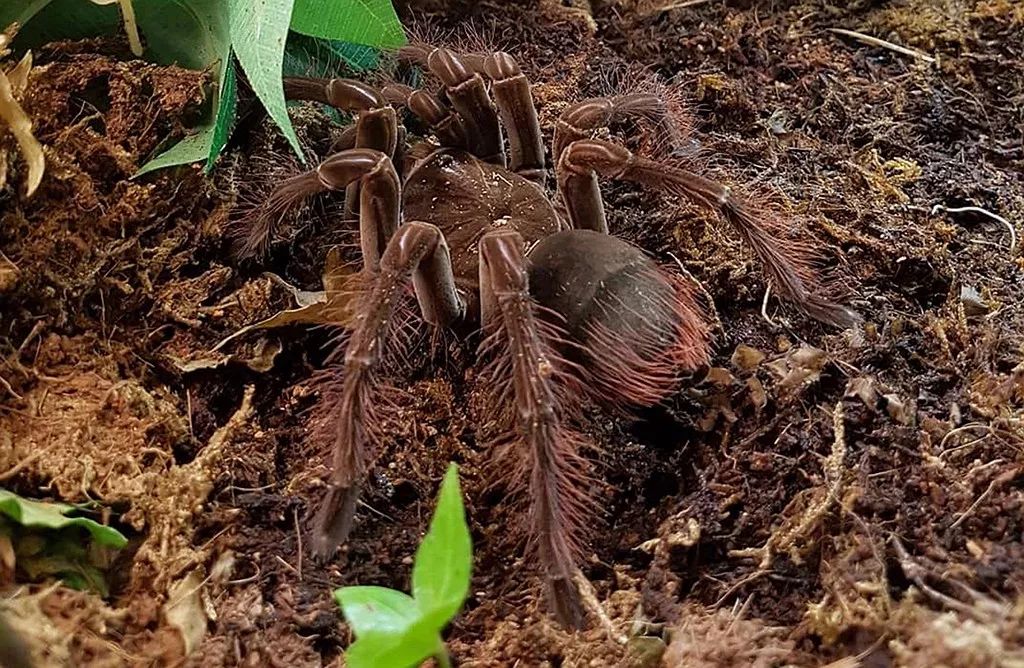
{"type": "Point", "coordinates": [816, 495]}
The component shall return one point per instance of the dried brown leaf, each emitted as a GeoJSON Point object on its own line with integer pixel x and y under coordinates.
{"type": "Point", "coordinates": [20, 125]}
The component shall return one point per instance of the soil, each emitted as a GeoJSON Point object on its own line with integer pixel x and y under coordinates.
{"type": "Point", "coordinates": [813, 496]}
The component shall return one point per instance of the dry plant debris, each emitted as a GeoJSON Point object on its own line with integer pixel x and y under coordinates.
{"type": "Point", "coordinates": [13, 83]}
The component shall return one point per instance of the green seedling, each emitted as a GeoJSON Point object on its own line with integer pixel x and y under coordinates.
{"type": "Point", "coordinates": [209, 35]}
{"type": "Point", "coordinates": [395, 630]}
{"type": "Point", "coordinates": [40, 540]}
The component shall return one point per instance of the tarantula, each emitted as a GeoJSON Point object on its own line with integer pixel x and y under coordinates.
{"type": "Point", "coordinates": [568, 312]}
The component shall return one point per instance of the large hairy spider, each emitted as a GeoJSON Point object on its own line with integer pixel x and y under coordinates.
{"type": "Point", "coordinates": [569, 313]}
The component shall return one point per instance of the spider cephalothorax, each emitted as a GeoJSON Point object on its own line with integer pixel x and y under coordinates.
{"type": "Point", "coordinates": [569, 313]}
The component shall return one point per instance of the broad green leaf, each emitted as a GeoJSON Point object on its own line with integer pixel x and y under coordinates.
{"type": "Point", "coordinates": [369, 22]}
{"type": "Point", "coordinates": [20, 12]}
{"type": "Point", "coordinates": [35, 514]}
{"type": "Point", "coordinates": [444, 560]}
{"type": "Point", "coordinates": [194, 34]}
{"type": "Point", "coordinates": [313, 57]}
{"type": "Point", "coordinates": [225, 118]}
{"type": "Point", "coordinates": [189, 33]}
{"type": "Point", "coordinates": [377, 609]}
{"type": "Point", "coordinates": [259, 29]}
{"type": "Point", "coordinates": [45, 21]}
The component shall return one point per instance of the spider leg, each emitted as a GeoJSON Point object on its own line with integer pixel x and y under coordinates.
{"type": "Point", "coordinates": [417, 250]}
{"type": "Point", "coordinates": [519, 114]}
{"type": "Point", "coordinates": [376, 123]}
{"type": "Point", "coordinates": [788, 263]}
{"type": "Point", "coordinates": [531, 386]}
{"type": "Point", "coordinates": [379, 195]}
{"type": "Point", "coordinates": [467, 91]}
{"type": "Point", "coordinates": [580, 120]}
{"type": "Point", "coordinates": [449, 126]}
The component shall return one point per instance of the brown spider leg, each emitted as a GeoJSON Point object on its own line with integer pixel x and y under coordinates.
{"type": "Point", "coordinates": [379, 195]}
{"type": "Point", "coordinates": [379, 207]}
{"type": "Point", "coordinates": [376, 122]}
{"type": "Point", "coordinates": [580, 120]}
{"type": "Point", "coordinates": [345, 140]}
{"type": "Point", "coordinates": [519, 114]}
{"type": "Point", "coordinates": [532, 390]}
{"type": "Point", "coordinates": [788, 263]}
{"type": "Point", "coordinates": [417, 250]}
{"type": "Point", "coordinates": [467, 92]}
{"type": "Point", "coordinates": [449, 127]}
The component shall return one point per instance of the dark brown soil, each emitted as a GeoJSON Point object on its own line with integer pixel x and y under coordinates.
{"type": "Point", "coordinates": [816, 495]}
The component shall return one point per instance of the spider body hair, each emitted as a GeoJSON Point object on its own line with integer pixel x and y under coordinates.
{"type": "Point", "coordinates": [636, 326]}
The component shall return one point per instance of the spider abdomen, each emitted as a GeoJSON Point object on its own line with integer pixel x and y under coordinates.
{"type": "Point", "coordinates": [638, 328]}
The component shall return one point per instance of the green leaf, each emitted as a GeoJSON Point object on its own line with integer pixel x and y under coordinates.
{"type": "Point", "coordinates": [35, 514]}
{"type": "Point", "coordinates": [225, 118]}
{"type": "Point", "coordinates": [259, 29]}
{"type": "Point", "coordinates": [444, 560]}
{"type": "Point", "coordinates": [313, 57]}
{"type": "Point", "coordinates": [388, 651]}
{"type": "Point", "coordinates": [189, 33]}
{"type": "Point", "coordinates": [376, 609]}
{"type": "Point", "coordinates": [14, 12]}
{"type": "Point", "coordinates": [193, 148]}
{"type": "Point", "coordinates": [44, 21]}
{"type": "Point", "coordinates": [390, 629]}
{"type": "Point", "coordinates": [369, 22]}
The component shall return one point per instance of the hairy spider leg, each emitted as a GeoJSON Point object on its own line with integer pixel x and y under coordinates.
{"type": "Point", "coordinates": [376, 122]}
{"type": "Point", "coordinates": [582, 119]}
{"type": "Point", "coordinates": [533, 390]}
{"type": "Point", "coordinates": [515, 103]}
{"type": "Point", "coordinates": [417, 250]}
{"type": "Point", "coordinates": [467, 92]}
{"type": "Point", "coordinates": [431, 110]}
{"type": "Point", "coordinates": [788, 263]}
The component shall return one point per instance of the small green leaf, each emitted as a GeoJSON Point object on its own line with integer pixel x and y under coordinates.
{"type": "Point", "coordinates": [377, 609]}
{"type": "Point", "coordinates": [369, 22]}
{"type": "Point", "coordinates": [259, 29]}
{"type": "Point", "coordinates": [35, 514]}
{"type": "Point", "coordinates": [391, 632]}
{"type": "Point", "coordinates": [193, 148]}
{"type": "Point", "coordinates": [444, 560]}
{"type": "Point", "coordinates": [375, 650]}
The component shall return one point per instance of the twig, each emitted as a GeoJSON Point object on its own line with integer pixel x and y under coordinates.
{"type": "Point", "coordinates": [874, 41]}
{"type": "Point", "coordinates": [938, 208]}
{"type": "Point", "coordinates": [703, 291]}
{"type": "Point", "coordinates": [13, 471]}
{"type": "Point", "coordinates": [683, 4]}
{"type": "Point", "coordinates": [594, 606]}
{"type": "Point", "coordinates": [298, 541]}
{"type": "Point", "coordinates": [998, 480]}
{"type": "Point", "coordinates": [916, 573]}
{"type": "Point", "coordinates": [764, 304]}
